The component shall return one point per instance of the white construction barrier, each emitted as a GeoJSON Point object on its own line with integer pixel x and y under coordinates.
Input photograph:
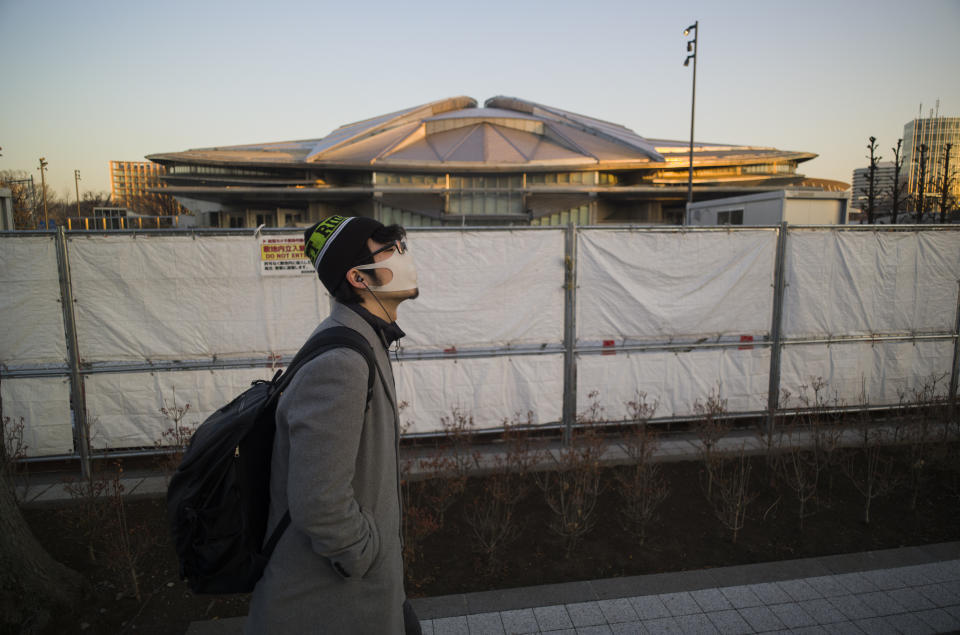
{"type": "Point", "coordinates": [30, 309]}
{"type": "Point", "coordinates": [43, 404]}
{"type": "Point", "coordinates": [174, 297]}
{"type": "Point", "coordinates": [674, 381]}
{"type": "Point", "coordinates": [485, 289]}
{"type": "Point", "coordinates": [125, 409]}
{"type": "Point", "coordinates": [870, 282]}
{"type": "Point", "coordinates": [876, 373]}
{"type": "Point", "coordinates": [650, 285]}
{"type": "Point", "coordinates": [685, 314]}
{"type": "Point", "coordinates": [489, 389]}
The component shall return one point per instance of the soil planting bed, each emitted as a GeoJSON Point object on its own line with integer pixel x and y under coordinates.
{"type": "Point", "coordinates": [687, 535]}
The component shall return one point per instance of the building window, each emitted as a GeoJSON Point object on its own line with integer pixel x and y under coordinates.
{"type": "Point", "coordinates": [390, 178]}
{"type": "Point", "coordinates": [560, 178]}
{"type": "Point", "coordinates": [493, 194]}
{"type": "Point", "coordinates": [291, 220]}
{"type": "Point", "coordinates": [730, 217]}
{"type": "Point", "coordinates": [267, 219]}
{"type": "Point", "coordinates": [236, 221]}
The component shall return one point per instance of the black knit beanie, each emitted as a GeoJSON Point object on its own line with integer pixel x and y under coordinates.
{"type": "Point", "coordinates": [336, 244]}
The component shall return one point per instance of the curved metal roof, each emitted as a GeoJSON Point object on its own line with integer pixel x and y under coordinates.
{"type": "Point", "coordinates": [454, 133]}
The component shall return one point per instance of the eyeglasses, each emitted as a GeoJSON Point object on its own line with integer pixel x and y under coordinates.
{"type": "Point", "coordinates": [399, 245]}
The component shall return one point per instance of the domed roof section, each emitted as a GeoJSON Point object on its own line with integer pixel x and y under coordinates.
{"type": "Point", "coordinates": [454, 133]}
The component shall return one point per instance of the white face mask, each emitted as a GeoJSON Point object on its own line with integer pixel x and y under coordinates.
{"type": "Point", "coordinates": [403, 269]}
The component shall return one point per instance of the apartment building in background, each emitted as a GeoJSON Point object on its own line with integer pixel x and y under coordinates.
{"type": "Point", "coordinates": [130, 187]}
{"type": "Point", "coordinates": [935, 133]}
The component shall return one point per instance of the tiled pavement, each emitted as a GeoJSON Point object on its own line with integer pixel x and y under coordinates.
{"type": "Point", "coordinates": [908, 590]}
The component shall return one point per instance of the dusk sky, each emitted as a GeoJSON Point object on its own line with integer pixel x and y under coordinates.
{"type": "Point", "coordinates": [87, 82]}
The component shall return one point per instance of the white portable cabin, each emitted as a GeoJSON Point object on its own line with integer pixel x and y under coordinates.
{"type": "Point", "coordinates": [797, 207]}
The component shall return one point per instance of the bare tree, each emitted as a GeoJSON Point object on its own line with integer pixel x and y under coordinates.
{"type": "Point", "coordinates": [922, 184]}
{"type": "Point", "coordinates": [26, 193]}
{"type": "Point", "coordinates": [871, 180]}
{"type": "Point", "coordinates": [897, 190]}
{"type": "Point", "coordinates": [945, 180]}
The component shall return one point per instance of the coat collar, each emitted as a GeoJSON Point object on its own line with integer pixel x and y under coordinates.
{"type": "Point", "coordinates": [345, 316]}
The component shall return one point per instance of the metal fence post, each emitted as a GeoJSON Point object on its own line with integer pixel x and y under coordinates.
{"type": "Point", "coordinates": [570, 333]}
{"type": "Point", "coordinates": [779, 284]}
{"type": "Point", "coordinates": [955, 368]}
{"type": "Point", "coordinates": [78, 401]}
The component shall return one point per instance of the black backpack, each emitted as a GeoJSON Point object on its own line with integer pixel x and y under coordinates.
{"type": "Point", "coordinates": [218, 500]}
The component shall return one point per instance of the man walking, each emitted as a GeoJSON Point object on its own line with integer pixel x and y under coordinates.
{"type": "Point", "coordinates": [338, 567]}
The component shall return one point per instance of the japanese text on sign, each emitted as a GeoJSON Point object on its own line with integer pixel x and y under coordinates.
{"type": "Point", "coordinates": [283, 255]}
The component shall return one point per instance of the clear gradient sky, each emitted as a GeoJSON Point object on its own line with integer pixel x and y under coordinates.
{"type": "Point", "coordinates": [86, 82]}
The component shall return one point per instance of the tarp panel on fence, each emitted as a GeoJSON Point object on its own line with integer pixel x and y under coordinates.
{"type": "Point", "coordinates": [485, 289]}
{"type": "Point", "coordinates": [179, 297]}
{"type": "Point", "coordinates": [490, 389]}
{"type": "Point", "coordinates": [30, 309]}
{"type": "Point", "coordinates": [43, 403]}
{"type": "Point", "coordinates": [676, 381]}
{"type": "Point", "coordinates": [861, 283]}
{"type": "Point", "coordinates": [125, 409]}
{"type": "Point", "coordinates": [850, 371]}
{"type": "Point", "coordinates": [656, 286]}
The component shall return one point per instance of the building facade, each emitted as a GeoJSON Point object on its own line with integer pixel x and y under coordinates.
{"type": "Point", "coordinates": [451, 162]}
{"type": "Point", "coordinates": [796, 207]}
{"type": "Point", "coordinates": [883, 180]}
{"type": "Point", "coordinates": [934, 134]}
{"type": "Point", "coordinates": [135, 185]}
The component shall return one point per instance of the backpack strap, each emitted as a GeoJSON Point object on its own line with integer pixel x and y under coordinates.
{"type": "Point", "coordinates": [325, 340]}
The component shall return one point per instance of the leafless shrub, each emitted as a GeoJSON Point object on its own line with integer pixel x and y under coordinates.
{"type": "Point", "coordinates": [12, 447]}
{"type": "Point", "coordinates": [795, 464]}
{"type": "Point", "coordinates": [90, 512]}
{"type": "Point", "coordinates": [492, 513]}
{"type": "Point", "coordinates": [129, 543]}
{"type": "Point", "coordinates": [640, 483]}
{"type": "Point", "coordinates": [923, 431]}
{"type": "Point", "coordinates": [175, 439]}
{"type": "Point", "coordinates": [869, 466]}
{"type": "Point", "coordinates": [710, 427]}
{"type": "Point", "coordinates": [450, 464]}
{"type": "Point", "coordinates": [732, 490]}
{"type": "Point", "coordinates": [800, 470]}
{"type": "Point", "coordinates": [572, 489]}
{"type": "Point", "coordinates": [821, 416]}
{"type": "Point", "coordinates": [419, 519]}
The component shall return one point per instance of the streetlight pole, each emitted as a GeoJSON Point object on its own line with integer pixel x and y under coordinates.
{"type": "Point", "coordinates": [43, 188]}
{"type": "Point", "coordinates": [692, 54]}
{"type": "Point", "coordinates": [76, 182]}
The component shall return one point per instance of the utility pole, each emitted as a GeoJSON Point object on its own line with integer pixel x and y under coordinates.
{"type": "Point", "coordinates": [692, 49]}
{"type": "Point", "coordinates": [43, 187]}
{"type": "Point", "coordinates": [76, 183]}
{"type": "Point", "coordinates": [945, 183]}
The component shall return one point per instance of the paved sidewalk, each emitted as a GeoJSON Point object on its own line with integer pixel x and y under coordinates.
{"type": "Point", "coordinates": [908, 590]}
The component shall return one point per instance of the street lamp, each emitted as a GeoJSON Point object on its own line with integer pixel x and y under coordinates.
{"type": "Point", "coordinates": [43, 188]}
{"type": "Point", "coordinates": [692, 50]}
{"type": "Point", "coordinates": [76, 182]}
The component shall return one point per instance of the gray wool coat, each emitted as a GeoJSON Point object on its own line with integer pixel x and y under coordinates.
{"type": "Point", "coordinates": [338, 567]}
